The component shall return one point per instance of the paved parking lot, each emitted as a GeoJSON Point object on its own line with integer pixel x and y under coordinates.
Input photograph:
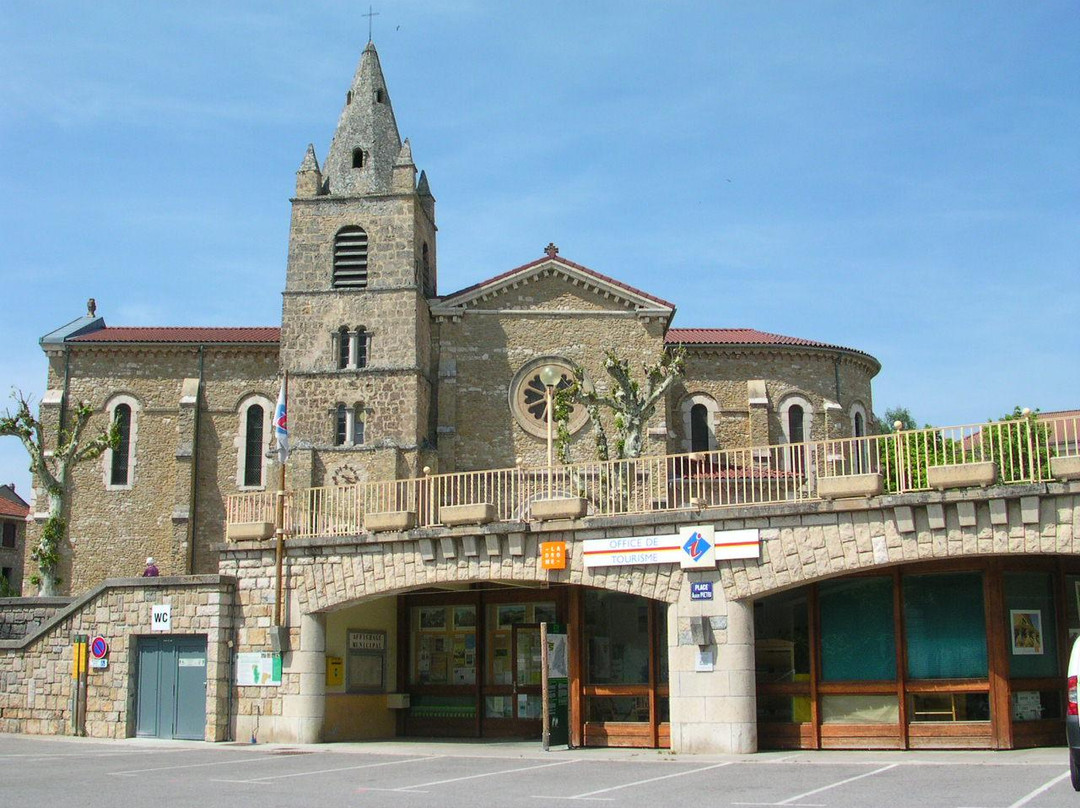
{"type": "Point", "coordinates": [50, 771]}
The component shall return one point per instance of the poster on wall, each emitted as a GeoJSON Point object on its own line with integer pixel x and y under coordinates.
{"type": "Point", "coordinates": [464, 617]}
{"type": "Point", "coordinates": [1027, 635]}
{"type": "Point", "coordinates": [258, 669]}
{"type": "Point", "coordinates": [432, 618]}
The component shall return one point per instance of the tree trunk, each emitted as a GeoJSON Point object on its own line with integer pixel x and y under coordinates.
{"type": "Point", "coordinates": [48, 546]}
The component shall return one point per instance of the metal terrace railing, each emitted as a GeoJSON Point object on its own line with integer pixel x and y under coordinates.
{"type": "Point", "coordinates": [1018, 451]}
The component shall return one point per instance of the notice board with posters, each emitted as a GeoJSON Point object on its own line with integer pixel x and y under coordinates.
{"type": "Point", "coordinates": [365, 667]}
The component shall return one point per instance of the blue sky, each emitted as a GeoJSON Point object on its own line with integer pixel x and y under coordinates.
{"type": "Point", "coordinates": [902, 178]}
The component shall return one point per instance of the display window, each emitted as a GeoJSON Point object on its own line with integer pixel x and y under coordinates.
{"type": "Point", "coordinates": [473, 666]}
{"type": "Point", "coordinates": [933, 655]}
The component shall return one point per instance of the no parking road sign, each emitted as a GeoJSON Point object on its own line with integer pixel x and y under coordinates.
{"type": "Point", "coordinates": [99, 647]}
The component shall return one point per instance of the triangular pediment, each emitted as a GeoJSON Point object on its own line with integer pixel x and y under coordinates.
{"type": "Point", "coordinates": [553, 284]}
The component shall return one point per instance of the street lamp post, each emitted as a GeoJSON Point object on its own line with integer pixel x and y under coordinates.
{"type": "Point", "coordinates": [549, 377]}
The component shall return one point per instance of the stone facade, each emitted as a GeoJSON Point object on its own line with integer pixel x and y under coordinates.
{"type": "Point", "coordinates": [21, 616]}
{"type": "Point", "coordinates": [186, 426]}
{"type": "Point", "coordinates": [36, 669]}
{"type": "Point", "coordinates": [828, 540]}
{"type": "Point", "coordinates": [710, 710]}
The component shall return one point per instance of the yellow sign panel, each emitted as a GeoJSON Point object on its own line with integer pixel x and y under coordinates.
{"type": "Point", "coordinates": [78, 659]}
{"type": "Point", "coordinates": [553, 555]}
{"type": "Point", "coordinates": [335, 671]}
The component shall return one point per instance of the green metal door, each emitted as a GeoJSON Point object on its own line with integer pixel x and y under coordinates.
{"type": "Point", "coordinates": [170, 693]}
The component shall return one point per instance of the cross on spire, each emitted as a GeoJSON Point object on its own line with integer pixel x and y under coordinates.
{"type": "Point", "coordinates": [551, 249]}
{"type": "Point", "coordinates": [369, 15]}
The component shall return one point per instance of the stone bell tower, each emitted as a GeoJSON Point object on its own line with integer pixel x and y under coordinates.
{"type": "Point", "coordinates": [356, 336]}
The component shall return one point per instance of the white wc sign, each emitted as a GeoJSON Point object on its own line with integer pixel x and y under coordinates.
{"type": "Point", "coordinates": [161, 618]}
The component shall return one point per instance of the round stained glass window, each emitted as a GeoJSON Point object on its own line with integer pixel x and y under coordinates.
{"type": "Point", "coordinates": [528, 400]}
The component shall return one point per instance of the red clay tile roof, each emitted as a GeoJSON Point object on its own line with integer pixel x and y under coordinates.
{"type": "Point", "coordinates": [1046, 416]}
{"type": "Point", "coordinates": [558, 259]}
{"type": "Point", "coordinates": [183, 334]}
{"type": "Point", "coordinates": [743, 336]}
{"type": "Point", "coordinates": [13, 509]}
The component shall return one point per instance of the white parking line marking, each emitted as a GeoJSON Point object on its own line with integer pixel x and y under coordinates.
{"type": "Point", "coordinates": [1045, 787]}
{"type": "Point", "coordinates": [191, 766]}
{"type": "Point", "coordinates": [792, 801]}
{"type": "Point", "coordinates": [470, 777]}
{"type": "Point", "coordinates": [329, 771]}
{"type": "Point", "coordinates": [54, 755]}
{"type": "Point", "coordinates": [590, 794]}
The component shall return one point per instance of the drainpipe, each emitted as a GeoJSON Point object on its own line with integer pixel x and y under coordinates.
{"type": "Point", "coordinates": [194, 495]}
{"type": "Point", "coordinates": [67, 386]}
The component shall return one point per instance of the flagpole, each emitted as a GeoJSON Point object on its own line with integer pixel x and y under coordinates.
{"type": "Point", "coordinates": [279, 519]}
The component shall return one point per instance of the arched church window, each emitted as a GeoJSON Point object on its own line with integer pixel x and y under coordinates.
{"type": "Point", "coordinates": [343, 347]}
{"type": "Point", "coordinates": [860, 427]}
{"type": "Point", "coordinates": [252, 440]}
{"type": "Point", "coordinates": [349, 425]}
{"type": "Point", "coordinates": [351, 348]}
{"type": "Point", "coordinates": [699, 428]}
{"type": "Point", "coordinates": [360, 353]}
{"type": "Point", "coordinates": [795, 424]}
{"type": "Point", "coordinates": [380, 95]}
{"type": "Point", "coordinates": [358, 425]}
{"type": "Point", "coordinates": [350, 258]}
{"type": "Point", "coordinates": [120, 467]}
{"type": "Point", "coordinates": [359, 158]}
{"type": "Point", "coordinates": [341, 422]}
{"type": "Point", "coordinates": [253, 446]}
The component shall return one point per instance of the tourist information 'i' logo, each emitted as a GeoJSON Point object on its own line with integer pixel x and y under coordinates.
{"type": "Point", "coordinates": [696, 546]}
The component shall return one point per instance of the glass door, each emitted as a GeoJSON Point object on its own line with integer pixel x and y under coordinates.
{"type": "Point", "coordinates": [527, 673]}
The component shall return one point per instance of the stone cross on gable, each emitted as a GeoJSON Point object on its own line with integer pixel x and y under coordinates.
{"type": "Point", "coordinates": [551, 249]}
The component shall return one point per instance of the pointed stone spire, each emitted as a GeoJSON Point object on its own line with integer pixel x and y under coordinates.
{"type": "Point", "coordinates": [366, 143]}
{"type": "Point", "coordinates": [310, 161]}
{"type": "Point", "coordinates": [423, 190]}
{"type": "Point", "coordinates": [404, 170]}
{"type": "Point", "coordinates": [422, 187]}
{"type": "Point", "coordinates": [308, 176]}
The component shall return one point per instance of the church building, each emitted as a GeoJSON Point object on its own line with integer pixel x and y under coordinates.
{"type": "Point", "coordinates": [388, 375]}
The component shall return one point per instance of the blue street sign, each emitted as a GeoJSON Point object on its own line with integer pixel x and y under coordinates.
{"type": "Point", "coordinates": [701, 590]}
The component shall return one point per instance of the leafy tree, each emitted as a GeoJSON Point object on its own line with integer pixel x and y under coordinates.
{"type": "Point", "coordinates": [52, 471]}
{"type": "Point", "coordinates": [901, 414]}
{"type": "Point", "coordinates": [1020, 446]}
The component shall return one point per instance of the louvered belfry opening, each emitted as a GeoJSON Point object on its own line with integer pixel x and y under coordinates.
{"type": "Point", "coordinates": [350, 258]}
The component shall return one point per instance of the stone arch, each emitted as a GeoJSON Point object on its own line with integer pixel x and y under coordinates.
{"type": "Point", "coordinates": [686, 407]}
{"type": "Point", "coordinates": [784, 411]}
{"type": "Point", "coordinates": [797, 550]}
{"type": "Point", "coordinates": [241, 440]}
{"type": "Point", "coordinates": [857, 412]}
{"type": "Point", "coordinates": [134, 412]}
{"type": "Point", "coordinates": [329, 582]}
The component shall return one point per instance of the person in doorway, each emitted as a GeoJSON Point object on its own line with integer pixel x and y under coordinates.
{"type": "Point", "coordinates": [151, 570]}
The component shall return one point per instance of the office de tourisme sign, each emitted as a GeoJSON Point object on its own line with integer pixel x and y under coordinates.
{"type": "Point", "coordinates": [693, 547]}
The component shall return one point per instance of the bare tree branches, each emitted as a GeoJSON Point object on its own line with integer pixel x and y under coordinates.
{"type": "Point", "coordinates": [632, 407]}
{"type": "Point", "coordinates": [51, 470]}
